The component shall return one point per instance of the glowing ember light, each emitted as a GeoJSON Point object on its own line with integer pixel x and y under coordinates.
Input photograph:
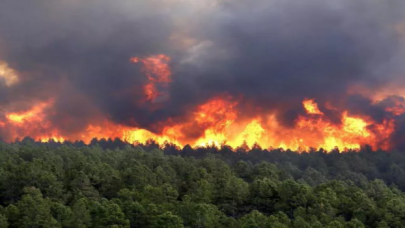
{"type": "Point", "coordinates": [29, 115]}
{"type": "Point", "coordinates": [397, 108]}
{"type": "Point", "coordinates": [150, 91]}
{"type": "Point", "coordinates": [311, 107]}
{"type": "Point", "coordinates": [218, 121]}
{"type": "Point", "coordinates": [55, 139]}
{"type": "Point", "coordinates": [158, 73]}
{"type": "Point", "coordinates": [252, 133]}
{"type": "Point", "coordinates": [33, 123]}
{"type": "Point", "coordinates": [216, 112]}
{"type": "Point", "coordinates": [355, 126]}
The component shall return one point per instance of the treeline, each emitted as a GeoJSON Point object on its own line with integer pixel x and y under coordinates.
{"type": "Point", "coordinates": [113, 184]}
{"type": "Point", "coordinates": [313, 167]}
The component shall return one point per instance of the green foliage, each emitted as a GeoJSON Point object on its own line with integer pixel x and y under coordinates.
{"type": "Point", "coordinates": [80, 214]}
{"type": "Point", "coordinates": [167, 220]}
{"type": "Point", "coordinates": [253, 220]}
{"type": "Point", "coordinates": [88, 186]}
{"type": "Point", "coordinates": [3, 221]}
{"type": "Point", "coordinates": [33, 210]}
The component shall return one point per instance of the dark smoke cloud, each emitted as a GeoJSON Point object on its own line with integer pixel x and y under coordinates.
{"type": "Point", "coordinates": [274, 53]}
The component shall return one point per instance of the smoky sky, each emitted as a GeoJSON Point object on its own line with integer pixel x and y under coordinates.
{"type": "Point", "coordinates": [273, 53]}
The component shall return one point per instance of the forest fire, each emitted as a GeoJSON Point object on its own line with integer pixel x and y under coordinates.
{"type": "Point", "coordinates": [202, 113]}
{"type": "Point", "coordinates": [158, 73]}
{"type": "Point", "coordinates": [219, 121]}
{"type": "Point", "coordinates": [33, 115]}
{"type": "Point", "coordinates": [223, 123]}
{"type": "Point", "coordinates": [311, 107]}
{"type": "Point", "coordinates": [318, 75]}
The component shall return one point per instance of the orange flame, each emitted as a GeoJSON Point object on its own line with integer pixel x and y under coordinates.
{"type": "Point", "coordinates": [398, 108]}
{"type": "Point", "coordinates": [33, 123]}
{"type": "Point", "coordinates": [217, 121]}
{"type": "Point", "coordinates": [222, 123]}
{"type": "Point", "coordinates": [30, 115]}
{"type": "Point", "coordinates": [158, 72]}
{"type": "Point", "coordinates": [311, 107]}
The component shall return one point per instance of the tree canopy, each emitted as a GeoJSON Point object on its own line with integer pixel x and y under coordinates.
{"type": "Point", "coordinates": [113, 184]}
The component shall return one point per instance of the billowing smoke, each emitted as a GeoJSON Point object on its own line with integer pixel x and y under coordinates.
{"type": "Point", "coordinates": [270, 54]}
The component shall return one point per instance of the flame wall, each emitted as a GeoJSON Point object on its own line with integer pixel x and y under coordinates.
{"type": "Point", "coordinates": [275, 72]}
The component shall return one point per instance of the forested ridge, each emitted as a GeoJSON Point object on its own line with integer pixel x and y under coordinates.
{"type": "Point", "coordinates": [113, 184]}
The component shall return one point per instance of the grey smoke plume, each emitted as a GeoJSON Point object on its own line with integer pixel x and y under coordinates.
{"type": "Point", "coordinates": [272, 53]}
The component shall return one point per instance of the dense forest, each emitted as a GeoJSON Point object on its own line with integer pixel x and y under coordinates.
{"type": "Point", "coordinates": [113, 184]}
